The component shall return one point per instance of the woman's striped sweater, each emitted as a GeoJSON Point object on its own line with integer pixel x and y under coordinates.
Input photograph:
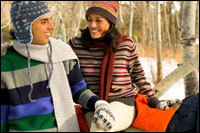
{"type": "Point", "coordinates": [128, 75]}
{"type": "Point", "coordinates": [17, 112]}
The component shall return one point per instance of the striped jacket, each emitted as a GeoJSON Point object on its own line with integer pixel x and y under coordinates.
{"type": "Point", "coordinates": [17, 112]}
{"type": "Point", "coordinates": [128, 75]}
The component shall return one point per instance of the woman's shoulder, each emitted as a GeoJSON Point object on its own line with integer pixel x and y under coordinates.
{"type": "Point", "coordinates": [75, 41]}
{"type": "Point", "coordinates": [127, 42]}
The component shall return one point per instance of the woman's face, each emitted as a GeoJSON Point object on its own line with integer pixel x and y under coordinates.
{"type": "Point", "coordinates": [97, 25]}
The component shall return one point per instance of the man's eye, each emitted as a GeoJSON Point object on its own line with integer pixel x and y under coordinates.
{"type": "Point", "coordinates": [43, 22]}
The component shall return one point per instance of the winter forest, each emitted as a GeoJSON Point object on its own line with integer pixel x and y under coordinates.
{"type": "Point", "coordinates": [166, 34]}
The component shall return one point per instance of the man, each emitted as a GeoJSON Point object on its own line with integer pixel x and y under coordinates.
{"type": "Point", "coordinates": [40, 77]}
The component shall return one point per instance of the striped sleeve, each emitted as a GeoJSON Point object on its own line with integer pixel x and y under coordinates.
{"type": "Point", "coordinates": [4, 117]}
{"type": "Point", "coordinates": [17, 112]}
{"type": "Point", "coordinates": [137, 72]}
{"type": "Point", "coordinates": [81, 94]}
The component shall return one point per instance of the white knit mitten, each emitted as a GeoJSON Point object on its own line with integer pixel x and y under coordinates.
{"type": "Point", "coordinates": [103, 116]}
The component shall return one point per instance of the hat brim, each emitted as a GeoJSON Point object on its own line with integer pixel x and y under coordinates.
{"type": "Point", "coordinates": [103, 12]}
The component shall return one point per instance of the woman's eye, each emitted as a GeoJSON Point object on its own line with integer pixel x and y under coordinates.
{"type": "Point", "coordinates": [99, 21]}
{"type": "Point", "coordinates": [89, 20]}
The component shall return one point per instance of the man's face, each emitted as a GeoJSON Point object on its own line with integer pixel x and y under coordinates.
{"type": "Point", "coordinates": [41, 29]}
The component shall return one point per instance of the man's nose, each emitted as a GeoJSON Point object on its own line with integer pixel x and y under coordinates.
{"type": "Point", "coordinates": [50, 26]}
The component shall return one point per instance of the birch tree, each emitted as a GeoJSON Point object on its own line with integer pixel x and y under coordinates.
{"type": "Point", "coordinates": [158, 42]}
{"type": "Point", "coordinates": [131, 19]}
{"type": "Point", "coordinates": [153, 19]}
{"type": "Point", "coordinates": [120, 22]}
{"type": "Point", "coordinates": [166, 25]}
{"type": "Point", "coordinates": [79, 20]}
{"type": "Point", "coordinates": [178, 28]}
{"type": "Point", "coordinates": [188, 44]}
{"type": "Point", "coordinates": [59, 24]}
{"type": "Point", "coordinates": [182, 70]}
{"type": "Point", "coordinates": [62, 27]}
{"type": "Point", "coordinates": [144, 22]}
{"type": "Point", "coordinates": [5, 20]}
{"type": "Point", "coordinates": [197, 21]}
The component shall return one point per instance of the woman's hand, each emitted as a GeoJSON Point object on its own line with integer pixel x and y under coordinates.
{"type": "Point", "coordinates": [103, 116]}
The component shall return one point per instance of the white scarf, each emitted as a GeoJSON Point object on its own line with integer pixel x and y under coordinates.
{"type": "Point", "coordinates": [60, 89]}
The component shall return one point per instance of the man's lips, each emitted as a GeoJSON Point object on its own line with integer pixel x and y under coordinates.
{"type": "Point", "coordinates": [47, 35]}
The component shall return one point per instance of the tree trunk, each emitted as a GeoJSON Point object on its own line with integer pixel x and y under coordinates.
{"type": "Point", "coordinates": [158, 47]}
{"type": "Point", "coordinates": [144, 23]}
{"type": "Point", "coordinates": [176, 75]}
{"type": "Point", "coordinates": [73, 19]}
{"type": "Point", "coordinates": [178, 30]}
{"type": "Point", "coordinates": [148, 24]}
{"type": "Point", "coordinates": [56, 25]}
{"type": "Point", "coordinates": [188, 44]}
{"type": "Point", "coordinates": [79, 20]}
{"type": "Point", "coordinates": [120, 23]}
{"type": "Point", "coordinates": [166, 27]}
{"type": "Point", "coordinates": [197, 21]}
{"type": "Point", "coordinates": [154, 25]}
{"type": "Point", "coordinates": [131, 19]}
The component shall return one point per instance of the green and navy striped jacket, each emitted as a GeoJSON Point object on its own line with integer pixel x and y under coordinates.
{"type": "Point", "coordinates": [17, 112]}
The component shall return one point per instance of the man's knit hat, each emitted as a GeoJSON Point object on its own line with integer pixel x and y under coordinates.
{"type": "Point", "coordinates": [108, 9]}
{"type": "Point", "coordinates": [23, 15]}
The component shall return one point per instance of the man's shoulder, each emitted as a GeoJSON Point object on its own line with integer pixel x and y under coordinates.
{"type": "Point", "coordinates": [9, 59]}
{"type": "Point", "coordinates": [59, 43]}
{"type": "Point", "coordinates": [5, 47]}
{"type": "Point", "coordinates": [60, 47]}
{"type": "Point", "coordinates": [9, 52]}
{"type": "Point", "coordinates": [54, 40]}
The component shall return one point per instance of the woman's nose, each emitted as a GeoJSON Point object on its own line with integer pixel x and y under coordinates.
{"type": "Point", "coordinates": [93, 24]}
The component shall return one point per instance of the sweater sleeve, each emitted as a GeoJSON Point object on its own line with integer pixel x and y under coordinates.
{"type": "Point", "coordinates": [4, 104]}
{"type": "Point", "coordinates": [80, 92]}
{"type": "Point", "coordinates": [4, 114]}
{"type": "Point", "coordinates": [5, 107]}
{"type": "Point", "coordinates": [137, 72]}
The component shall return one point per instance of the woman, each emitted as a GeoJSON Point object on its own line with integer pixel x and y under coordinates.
{"type": "Point", "coordinates": [110, 64]}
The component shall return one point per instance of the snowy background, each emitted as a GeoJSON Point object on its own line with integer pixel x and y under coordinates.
{"type": "Point", "coordinates": [177, 90]}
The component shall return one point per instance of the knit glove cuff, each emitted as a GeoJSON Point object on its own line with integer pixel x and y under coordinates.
{"type": "Point", "coordinates": [154, 102]}
{"type": "Point", "coordinates": [162, 105]}
{"type": "Point", "coordinates": [103, 116]}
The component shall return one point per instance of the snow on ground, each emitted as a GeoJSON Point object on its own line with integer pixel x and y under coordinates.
{"type": "Point", "coordinates": [177, 90]}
